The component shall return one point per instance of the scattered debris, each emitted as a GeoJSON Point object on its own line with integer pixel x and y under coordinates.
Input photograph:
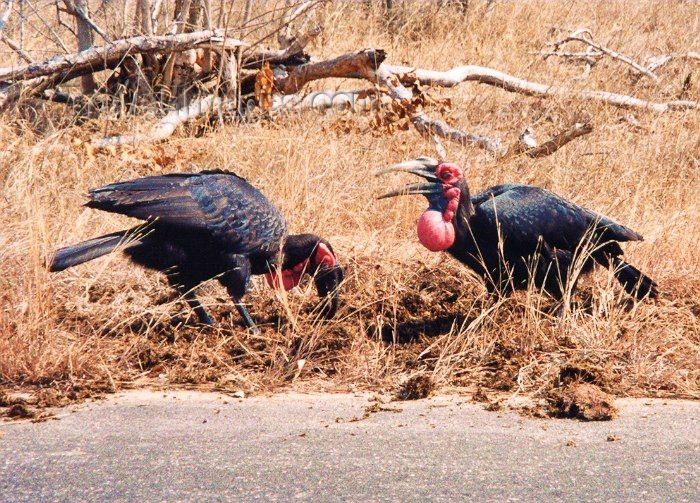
{"type": "Point", "coordinates": [20, 411]}
{"type": "Point", "coordinates": [494, 406]}
{"type": "Point", "coordinates": [417, 387]}
{"type": "Point", "coordinates": [480, 395]}
{"type": "Point", "coordinates": [571, 443]}
{"type": "Point", "coordinates": [612, 438]}
{"type": "Point", "coordinates": [580, 400]}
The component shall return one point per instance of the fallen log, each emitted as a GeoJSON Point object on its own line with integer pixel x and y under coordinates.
{"type": "Point", "coordinates": [358, 65]}
{"type": "Point", "coordinates": [99, 57]}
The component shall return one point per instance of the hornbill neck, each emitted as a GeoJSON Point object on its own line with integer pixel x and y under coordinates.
{"type": "Point", "coordinates": [466, 208]}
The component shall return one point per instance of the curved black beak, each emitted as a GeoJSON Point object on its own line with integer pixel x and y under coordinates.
{"type": "Point", "coordinates": [327, 281]}
{"type": "Point", "coordinates": [424, 167]}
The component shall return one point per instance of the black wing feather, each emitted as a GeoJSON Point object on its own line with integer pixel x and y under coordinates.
{"type": "Point", "coordinates": [524, 213]}
{"type": "Point", "coordinates": [219, 204]}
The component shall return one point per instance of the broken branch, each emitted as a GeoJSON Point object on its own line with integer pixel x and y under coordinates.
{"type": "Point", "coordinates": [485, 75]}
{"type": "Point", "coordinates": [360, 64]}
{"type": "Point", "coordinates": [427, 126]}
{"type": "Point", "coordinates": [586, 37]}
{"type": "Point", "coordinates": [528, 146]}
{"type": "Point", "coordinates": [659, 61]}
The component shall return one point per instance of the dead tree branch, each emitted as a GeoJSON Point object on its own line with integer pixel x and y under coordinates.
{"type": "Point", "coordinates": [529, 147]}
{"type": "Point", "coordinates": [102, 57]}
{"type": "Point", "coordinates": [427, 126]}
{"type": "Point", "coordinates": [585, 36]}
{"type": "Point", "coordinates": [485, 75]}
{"type": "Point", "coordinates": [78, 8]}
{"type": "Point", "coordinates": [167, 125]}
{"type": "Point", "coordinates": [654, 64]}
{"type": "Point", "coordinates": [360, 64]}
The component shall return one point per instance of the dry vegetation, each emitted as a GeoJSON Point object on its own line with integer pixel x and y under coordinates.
{"type": "Point", "coordinates": [405, 311]}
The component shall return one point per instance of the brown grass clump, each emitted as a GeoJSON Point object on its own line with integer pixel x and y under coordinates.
{"type": "Point", "coordinates": [107, 324]}
{"type": "Point", "coordinates": [416, 387]}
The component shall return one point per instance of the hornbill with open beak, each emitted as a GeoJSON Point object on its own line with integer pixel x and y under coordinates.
{"type": "Point", "coordinates": [208, 225]}
{"type": "Point", "coordinates": [513, 234]}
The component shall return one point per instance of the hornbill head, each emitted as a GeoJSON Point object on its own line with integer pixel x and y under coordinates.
{"type": "Point", "coordinates": [311, 255]}
{"type": "Point", "coordinates": [447, 193]}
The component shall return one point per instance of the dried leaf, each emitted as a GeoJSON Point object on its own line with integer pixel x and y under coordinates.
{"type": "Point", "coordinates": [264, 87]}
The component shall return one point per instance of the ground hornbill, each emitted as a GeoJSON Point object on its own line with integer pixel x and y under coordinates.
{"type": "Point", "coordinates": [512, 235]}
{"type": "Point", "coordinates": [208, 225]}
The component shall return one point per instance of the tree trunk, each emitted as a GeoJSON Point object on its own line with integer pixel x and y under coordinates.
{"type": "Point", "coordinates": [84, 32]}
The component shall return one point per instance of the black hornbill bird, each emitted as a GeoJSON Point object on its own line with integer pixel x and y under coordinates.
{"type": "Point", "coordinates": [513, 234]}
{"type": "Point", "coordinates": [212, 224]}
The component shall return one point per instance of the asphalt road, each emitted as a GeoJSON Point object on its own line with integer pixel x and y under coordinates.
{"type": "Point", "coordinates": [186, 446]}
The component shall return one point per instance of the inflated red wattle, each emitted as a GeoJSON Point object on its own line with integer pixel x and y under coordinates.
{"type": "Point", "coordinates": [290, 277]}
{"type": "Point", "coordinates": [434, 232]}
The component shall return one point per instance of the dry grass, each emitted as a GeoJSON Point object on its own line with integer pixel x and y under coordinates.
{"type": "Point", "coordinates": [405, 311]}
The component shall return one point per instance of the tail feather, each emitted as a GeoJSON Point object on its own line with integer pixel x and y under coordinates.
{"type": "Point", "coordinates": [86, 251]}
{"type": "Point", "coordinates": [635, 282]}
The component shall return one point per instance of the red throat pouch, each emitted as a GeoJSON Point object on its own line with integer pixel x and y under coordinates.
{"type": "Point", "coordinates": [434, 232]}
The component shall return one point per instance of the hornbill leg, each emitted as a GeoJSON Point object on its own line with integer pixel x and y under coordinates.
{"type": "Point", "coordinates": [246, 316]}
{"type": "Point", "coordinates": [236, 282]}
{"type": "Point", "coordinates": [197, 307]}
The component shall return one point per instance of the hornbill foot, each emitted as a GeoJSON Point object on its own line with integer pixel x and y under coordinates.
{"type": "Point", "coordinates": [246, 317]}
{"type": "Point", "coordinates": [198, 309]}
{"type": "Point", "coordinates": [205, 319]}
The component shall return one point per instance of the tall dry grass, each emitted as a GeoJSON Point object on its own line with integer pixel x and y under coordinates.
{"type": "Point", "coordinates": [405, 310]}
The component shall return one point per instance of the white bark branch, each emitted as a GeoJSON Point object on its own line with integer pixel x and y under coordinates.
{"type": "Point", "coordinates": [659, 61]}
{"type": "Point", "coordinates": [586, 37]}
{"type": "Point", "coordinates": [485, 75]}
{"type": "Point", "coordinates": [427, 126]}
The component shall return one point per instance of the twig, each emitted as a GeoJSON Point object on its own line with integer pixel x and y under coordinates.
{"type": "Point", "coordinates": [11, 43]}
{"type": "Point", "coordinates": [585, 36]}
{"type": "Point", "coordinates": [528, 146]}
{"type": "Point", "coordinates": [485, 75]}
{"type": "Point", "coordinates": [80, 11]}
{"type": "Point", "coordinates": [654, 64]}
{"type": "Point", "coordinates": [57, 38]}
{"type": "Point", "coordinates": [167, 125]}
{"type": "Point", "coordinates": [15, 47]}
